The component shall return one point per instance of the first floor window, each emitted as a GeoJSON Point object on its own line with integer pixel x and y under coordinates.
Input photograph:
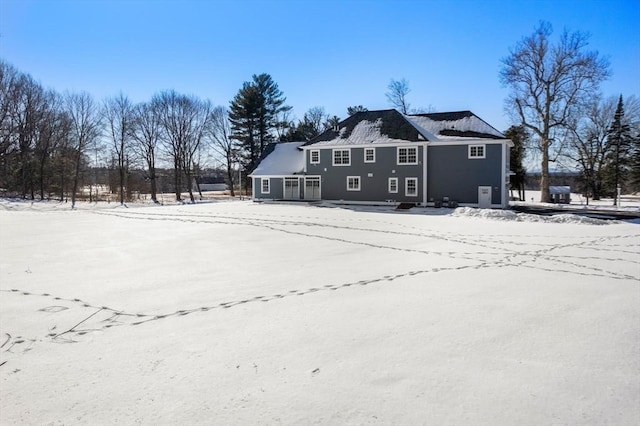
{"type": "Point", "coordinates": [353, 183]}
{"type": "Point", "coordinates": [393, 185]}
{"type": "Point", "coordinates": [315, 157]}
{"type": "Point", "coordinates": [408, 155]}
{"type": "Point", "coordinates": [411, 187]}
{"type": "Point", "coordinates": [476, 151]}
{"type": "Point", "coordinates": [265, 186]}
{"type": "Point", "coordinates": [341, 157]}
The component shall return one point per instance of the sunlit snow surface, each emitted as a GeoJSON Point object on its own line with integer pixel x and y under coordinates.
{"type": "Point", "coordinates": [246, 313]}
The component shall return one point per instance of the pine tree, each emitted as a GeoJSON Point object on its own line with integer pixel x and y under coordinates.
{"type": "Point", "coordinates": [619, 160]}
{"type": "Point", "coordinates": [519, 137]}
{"type": "Point", "coordinates": [253, 116]}
{"type": "Point", "coordinates": [355, 109]}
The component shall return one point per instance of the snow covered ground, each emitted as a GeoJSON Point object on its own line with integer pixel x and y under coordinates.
{"type": "Point", "coordinates": [628, 202]}
{"type": "Point", "coordinates": [242, 313]}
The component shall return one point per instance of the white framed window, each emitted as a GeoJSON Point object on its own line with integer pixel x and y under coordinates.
{"type": "Point", "coordinates": [477, 151]}
{"type": "Point", "coordinates": [369, 155]}
{"type": "Point", "coordinates": [353, 183]}
{"type": "Point", "coordinates": [393, 185]}
{"type": "Point", "coordinates": [341, 157]}
{"type": "Point", "coordinates": [314, 156]}
{"type": "Point", "coordinates": [408, 155]}
{"type": "Point", "coordinates": [411, 187]}
{"type": "Point", "coordinates": [266, 187]}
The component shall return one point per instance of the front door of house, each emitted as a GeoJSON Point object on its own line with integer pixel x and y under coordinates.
{"type": "Point", "coordinates": [312, 188]}
{"type": "Point", "coordinates": [291, 189]}
{"type": "Point", "coordinates": [484, 197]}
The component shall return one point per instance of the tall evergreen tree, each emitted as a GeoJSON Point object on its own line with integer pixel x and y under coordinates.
{"type": "Point", "coordinates": [519, 136]}
{"type": "Point", "coordinates": [254, 117]}
{"type": "Point", "coordinates": [619, 160]}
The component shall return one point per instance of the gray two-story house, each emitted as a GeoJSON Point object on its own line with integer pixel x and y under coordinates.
{"type": "Point", "coordinates": [387, 157]}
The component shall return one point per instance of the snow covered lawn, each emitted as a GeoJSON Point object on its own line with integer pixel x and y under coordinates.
{"type": "Point", "coordinates": [237, 313]}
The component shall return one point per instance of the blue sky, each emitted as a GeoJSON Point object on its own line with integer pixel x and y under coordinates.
{"type": "Point", "coordinates": [321, 53]}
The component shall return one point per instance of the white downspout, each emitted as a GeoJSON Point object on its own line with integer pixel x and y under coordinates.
{"type": "Point", "coordinates": [505, 203]}
{"type": "Point", "coordinates": [424, 175]}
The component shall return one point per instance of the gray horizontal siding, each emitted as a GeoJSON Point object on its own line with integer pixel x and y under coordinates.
{"type": "Point", "coordinates": [452, 174]}
{"type": "Point", "coordinates": [372, 188]}
{"type": "Point", "coordinates": [276, 188]}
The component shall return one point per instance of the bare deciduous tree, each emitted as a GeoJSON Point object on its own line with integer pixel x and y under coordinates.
{"type": "Point", "coordinates": [221, 141]}
{"type": "Point", "coordinates": [118, 114]}
{"type": "Point", "coordinates": [588, 145]}
{"type": "Point", "coordinates": [85, 123]}
{"type": "Point", "coordinates": [146, 132]}
{"type": "Point", "coordinates": [550, 83]}
{"type": "Point", "coordinates": [317, 119]}
{"type": "Point", "coordinates": [397, 95]}
{"type": "Point", "coordinates": [9, 89]}
{"type": "Point", "coordinates": [52, 129]}
{"type": "Point", "coordinates": [184, 121]}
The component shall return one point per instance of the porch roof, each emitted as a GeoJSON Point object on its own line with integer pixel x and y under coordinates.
{"type": "Point", "coordinates": [286, 159]}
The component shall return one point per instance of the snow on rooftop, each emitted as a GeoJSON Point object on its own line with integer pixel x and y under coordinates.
{"type": "Point", "coordinates": [286, 159]}
{"type": "Point", "coordinates": [364, 133]}
{"type": "Point", "coordinates": [427, 126]}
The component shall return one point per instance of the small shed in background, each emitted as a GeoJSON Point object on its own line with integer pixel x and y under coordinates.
{"type": "Point", "coordinates": [560, 194]}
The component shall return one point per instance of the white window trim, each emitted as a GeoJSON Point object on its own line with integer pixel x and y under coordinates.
{"type": "Point", "coordinates": [406, 187]}
{"type": "Point", "coordinates": [393, 179]}
{"type": "Point", "coordinates": [268, 182]}
{"type": "Point", "coordinates": [333, 156]}
{"type": "Point", "coordinates": [358, 180]}
{"type": "Point", "coordinates": [477, 157]}
{"type": "Point", "coordinates": [407, 163]}
{"type": "Point", "coordinates": [373, 150]}
{"type": "Point", "coordinates": [311, 152]}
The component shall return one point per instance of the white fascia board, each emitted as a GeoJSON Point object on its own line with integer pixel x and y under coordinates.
{"type": "Point", "coordinates": [369, 145]}
{"type": "Point", "coordinates": [471, 142]}
{"type": "Point", "coordinates": [275, 176]}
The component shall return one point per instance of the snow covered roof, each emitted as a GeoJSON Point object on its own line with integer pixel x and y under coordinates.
{"type": "Point", "coordinates": [378, 127]}
{"type": "Point", "coordinates": [389, 126]}
{"type": "Point", "coordinates": [559, 190]}
{"type": "Point", "coordinates": [453, 125]}
{"type": "Point", "coordinates": [283, 159]}
{"type": "Point", "coordinates": [364, 132]}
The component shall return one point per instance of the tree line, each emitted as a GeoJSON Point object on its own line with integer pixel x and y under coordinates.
{"type": "Point", "coordinates": [563, 118]}
{"type": "Point", "coordinates": [49, 140]}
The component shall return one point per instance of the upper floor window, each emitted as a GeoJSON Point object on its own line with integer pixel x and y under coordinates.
{"type": "Point", "coordinates": [314, 156]}
{"type": "Point", "coordinates": [341, 157]}
{"type": "Point", "coordinates": [408, 155]}
{"type": "Point", "coordinates": [476, 151]}
{"type": "Point", "coordinates": [369, 155]}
